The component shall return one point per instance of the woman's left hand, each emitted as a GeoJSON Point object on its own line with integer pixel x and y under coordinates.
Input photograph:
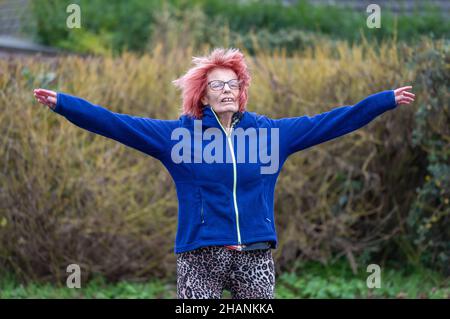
{"type": "Point", "coordinates": [402, 96]}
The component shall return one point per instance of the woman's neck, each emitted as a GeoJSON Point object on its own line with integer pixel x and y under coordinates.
{"type": "Point", "coordinates": [225, 119]}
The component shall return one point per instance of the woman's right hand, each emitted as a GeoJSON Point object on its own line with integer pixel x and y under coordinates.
{"type": "Point", "coordinates": [46, 97]}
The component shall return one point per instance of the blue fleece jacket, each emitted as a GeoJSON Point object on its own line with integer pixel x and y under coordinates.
{"type": "Point", "coordinates": [229, 202]}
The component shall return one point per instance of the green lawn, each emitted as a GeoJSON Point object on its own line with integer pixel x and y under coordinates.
{"type": "Point", "coordinates": [313, 280]}
{"type": "Point", "coordinates": [310, 280]}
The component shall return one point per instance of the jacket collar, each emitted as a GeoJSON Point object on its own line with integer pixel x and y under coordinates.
{"type": "Point", "coordinates": [210, 118]}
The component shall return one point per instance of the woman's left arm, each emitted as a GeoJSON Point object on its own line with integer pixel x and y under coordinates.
{"type": "Point", "coordinates": [305, 131]}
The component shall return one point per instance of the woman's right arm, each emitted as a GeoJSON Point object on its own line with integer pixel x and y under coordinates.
{"type": "Point", "coordinates": [147, 135]}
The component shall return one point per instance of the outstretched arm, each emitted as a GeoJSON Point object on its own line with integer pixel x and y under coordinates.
{"type": "Point", "coordinates": [298, 133]}
{"type": "Point", "coordinates": [147, 135]}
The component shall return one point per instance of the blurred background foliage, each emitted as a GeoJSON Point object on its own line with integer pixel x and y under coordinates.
{"type": "Point", "coordinates": [138, 24]}
{"type": "Point", "coordinates": [379, 195]}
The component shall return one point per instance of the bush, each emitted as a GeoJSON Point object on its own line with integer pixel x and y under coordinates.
{"type": "Point", "coordinates": [69, 196]}
{"type": "Point", "coordinates": [429, 217]}
{"type": "Point", "coordinates": [119, 25]}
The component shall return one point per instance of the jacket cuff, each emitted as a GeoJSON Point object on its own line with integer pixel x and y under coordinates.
{"type": "Point", "coordinates": [58, 107]}
{"type": "Point", "coordinates": [392, 96]}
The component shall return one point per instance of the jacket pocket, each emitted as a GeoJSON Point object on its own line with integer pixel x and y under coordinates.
{"type": "Point", "coordinates": [202, 207]}
{"type": "Point", "coordinates": [267, 217]}
{"type": "Point", "coordinates": [268, 214]}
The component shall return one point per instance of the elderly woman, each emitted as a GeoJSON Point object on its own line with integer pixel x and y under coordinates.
{"type": "Point", "coordinates": [225, 186]}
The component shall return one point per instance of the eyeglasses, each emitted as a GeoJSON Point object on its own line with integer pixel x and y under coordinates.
{"type": "Point", "coordinates": [218, 85]}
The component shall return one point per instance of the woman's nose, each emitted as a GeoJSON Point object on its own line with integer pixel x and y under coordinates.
{"type": "Point", "coordinates": [226, 87]}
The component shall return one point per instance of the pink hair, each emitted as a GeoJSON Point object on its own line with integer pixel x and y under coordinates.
{"type": "Point", "coordinates": [193, 83]}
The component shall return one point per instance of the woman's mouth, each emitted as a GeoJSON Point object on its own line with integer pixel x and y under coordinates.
{"type": "Point", "coordinates": [227, 100]}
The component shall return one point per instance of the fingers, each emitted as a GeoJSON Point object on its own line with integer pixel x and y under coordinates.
{"type": "Point", "coordinates": [402, 89]}
{"type": "Point", "coordinates": [409, 94]}
{"type": "Point", "coordinates": [43, 101]}
{"type": "Point", "coordinates": [404, 99]}
{"type": "Point", "coordinates": [402, 96]}
{"type": "Point", "coordinates": [47, 101]}
{"type": "Point", "coordinates": [45, 92]}
{"type": "Point", "coordinates": [407, 99]}
{"type": "Point", "coordinates": [40, 98]}
{"type": "Point", "coordinates": [46, 97]}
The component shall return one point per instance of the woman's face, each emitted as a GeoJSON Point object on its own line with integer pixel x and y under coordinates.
{"type": "Point", "coordinates": [226, 98]}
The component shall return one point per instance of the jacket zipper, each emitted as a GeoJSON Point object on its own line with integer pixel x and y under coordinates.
{"type": "Point", "coordinates": [230, 145]}
{"type": "Point", "coordinates": [201, 212]}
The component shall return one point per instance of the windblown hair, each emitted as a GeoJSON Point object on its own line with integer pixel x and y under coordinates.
{"type": "Point", "coordinates": [194, 83]}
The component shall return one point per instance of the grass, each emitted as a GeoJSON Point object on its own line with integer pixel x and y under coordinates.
{"type": "Point", "coordinates": [97, 288]}
{"type": "Point", "coordinates": [309, 280]}
{"type": "Point", "coordinates": [314, 280]}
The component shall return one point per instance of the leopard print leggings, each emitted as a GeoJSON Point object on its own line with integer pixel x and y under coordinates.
{"type": "Point", "coordinates": [205, 272]}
